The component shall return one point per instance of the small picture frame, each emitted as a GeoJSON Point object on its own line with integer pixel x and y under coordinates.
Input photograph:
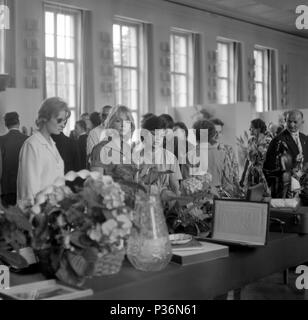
{"type": "Point", "coordinates": [45, 290]}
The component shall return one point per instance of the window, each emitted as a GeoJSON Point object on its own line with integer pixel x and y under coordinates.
{"type": "Point", "coordinates": [265, 78]}
{"type": "Point", "coordinates": [127, 65]}
{"type": "Point", "coordinates": [261, 86]}
{"type": "Point", "coordinates": [4, 26]}
{"type": "Point", "coordinates": [181, 69]}
{"type": "Point", "coordinates": [61, 56]}
{"type": "Point", "coordinates": [225, 72]}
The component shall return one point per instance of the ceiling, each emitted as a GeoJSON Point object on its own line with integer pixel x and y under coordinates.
{"type": "Point", "coordinates": [275, 14]}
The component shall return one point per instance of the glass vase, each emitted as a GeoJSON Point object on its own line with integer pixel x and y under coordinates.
{"type": "Point", "coordinates": [149, 247]}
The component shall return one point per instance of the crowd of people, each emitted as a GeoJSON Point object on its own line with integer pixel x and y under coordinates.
{"type": "Point", "coordinates": [275, 153]}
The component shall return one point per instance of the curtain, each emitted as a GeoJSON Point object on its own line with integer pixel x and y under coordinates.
{"type": "Point", "coordinates": [272, 79]}
{"type": "Point", "coordinates": [197, 69]}
{"type": "Point", "coordinates": [238, 72]}
{"type": "Point", "coordinates": [86, 81]}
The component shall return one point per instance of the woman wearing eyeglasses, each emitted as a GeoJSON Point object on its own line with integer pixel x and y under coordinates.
{"type": "Point", "coordinates": [40, 163]}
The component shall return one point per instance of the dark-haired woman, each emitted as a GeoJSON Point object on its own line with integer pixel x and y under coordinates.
{"type": "Point", "coordinates": [257, 148]}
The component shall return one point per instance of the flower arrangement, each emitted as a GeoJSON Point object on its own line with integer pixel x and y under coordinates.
{"type": "Point", "coordinates": [74, 234]}
{"type": "Point", "coordinates": [192, 212]}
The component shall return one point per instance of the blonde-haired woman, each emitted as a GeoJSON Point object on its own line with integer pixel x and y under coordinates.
{"type": "Point", "coordinates": [115, 146]}
{"type": "Point", "coordinates": [40, 163]}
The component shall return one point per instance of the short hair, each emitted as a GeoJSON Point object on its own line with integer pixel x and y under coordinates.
{"type": "Point", "coordinates": [217, 122]}
{"type": "Point", "coordinates": [285, 115]}
{"type": "Point", "coordinates": [51, 107]}
{"type": "Point", "coordinates": [115, 113]}
{"type": "Point", "coordinates": [95, 118]}
{"type": "Point", "coordinates": [259, 124]}
{"type": "Point", "coordinates": [204, 125]}
{"type": "Point", "coordinates": [294, 112]}
{"type": "Point", "coordinates": [206, 114]}
{"type": "Point", "coordinates": [167, 121]}
{"type": "Point", "coordinates": [82, 124]}
{"type": "Point", "coordinates": [183, 126]}
{"type": "Point", "coordinates": [105, 108]}
{"type": "Point", "coordinates": [11, 119]}
{"type": "Point", "coordinates": [152, 123]}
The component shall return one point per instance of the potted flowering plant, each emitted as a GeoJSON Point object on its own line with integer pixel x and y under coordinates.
{"type": "Point", "coordinates": [82, 234]}
{"type": "Point", "coordinates": [15, 231]}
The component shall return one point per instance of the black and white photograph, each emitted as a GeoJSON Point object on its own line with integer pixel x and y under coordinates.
{"type": "Point", "coordinates": [154, 150]}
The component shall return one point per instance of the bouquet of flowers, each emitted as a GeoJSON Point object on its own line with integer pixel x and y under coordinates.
{"type": "Point", "coordinates": [192, 212]}
{"type": "Point", "coordinates": [82, 234]}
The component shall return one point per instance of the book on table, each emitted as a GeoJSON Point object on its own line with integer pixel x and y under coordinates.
{"type": "Point", "coordinates": [195, 252]}
{"type": "Point", "coordinates": [44, 290]}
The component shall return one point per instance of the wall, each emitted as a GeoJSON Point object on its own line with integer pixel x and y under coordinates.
{"type": "Point", "coordinates": [292, 50]}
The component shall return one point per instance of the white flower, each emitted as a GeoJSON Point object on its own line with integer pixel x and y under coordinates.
{"type": "Point", "coordinates": [95, 234]}
{"type": "Point", "coordinates": [126, 222]}
{"type": "Point", "coordinates": [36, 209]}
{"type": "Point", "coordinates": [108, 226]}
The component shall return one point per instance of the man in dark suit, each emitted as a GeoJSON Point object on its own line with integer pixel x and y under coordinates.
{"type": "Point", "coordinates": [287, 153]}
{"type": "Point", "coordinates": [81, 130]}
{"type": "Point", "coordinates": [10, 145]}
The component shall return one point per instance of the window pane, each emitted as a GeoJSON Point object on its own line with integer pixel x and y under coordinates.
{"type": "Point", "coordinates": [179, 90]}
{"type": "Point", "coordinates": [69, 26]}
{"type": "Point", "coordinates": [116, 34]}
{"type": "Point", "coordinates": [66, 73]}
{"type": "Point", "coordinates": [223, 92]}
{"type": "Point", "coordinates": [259, 74]}
{"type": "Point", "coordinates": [222, 51]}
{"type": "Point", "coordinates": [69, 48]}
{"type": "Point", "coordinates": [116, 54]}
{"type": "Point", "coordinates": [49, 23]}
{"type": "Point", "coordinates": [49, 46]}
{"type": "Point", "coordinates": [259, 97]}
{"type": "Point", "coordinates": [60, 47]}
{"type": "Point", "coordinates": [223, 69]}
{"type": "Point", "coordinates": [180, 45]}
{"type": "Point", "coordinates": [61, 25]}
{"type": "Point", "coordinates": [50, 79]}
{"type": "Point", "coordinates": [258, 57]}
{"type": "Point", "coordinates": [180, 63]}
{"type": "Point", "coordinates": [129, 56]}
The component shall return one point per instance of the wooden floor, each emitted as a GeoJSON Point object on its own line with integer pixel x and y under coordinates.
{"type": "Point", "coordinates": [272, 288]}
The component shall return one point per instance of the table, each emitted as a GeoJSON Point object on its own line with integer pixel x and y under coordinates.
{"type": "Point", "coordinates": [200, 281]}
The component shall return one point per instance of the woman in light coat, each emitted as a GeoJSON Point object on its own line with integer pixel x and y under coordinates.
{"type": "Point", "coordinates": [40, 163]}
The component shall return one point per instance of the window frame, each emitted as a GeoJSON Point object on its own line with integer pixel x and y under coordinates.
{"type": "Point", "coordinates": [189, 68]}
{"type": "Point", "coordinates": [230, 77]}
{"type": "Point", "coordinates": [264, 82]}
{"type": "Point", "coordinates": [76, 14]}
{"type": "Point", "coordinates": [138, 26]}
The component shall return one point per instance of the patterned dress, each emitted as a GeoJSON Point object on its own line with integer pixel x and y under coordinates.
{"type": "Point", "coordinates": [257, 149]}
{"type": "Point", "coordinates": [230, 180]}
